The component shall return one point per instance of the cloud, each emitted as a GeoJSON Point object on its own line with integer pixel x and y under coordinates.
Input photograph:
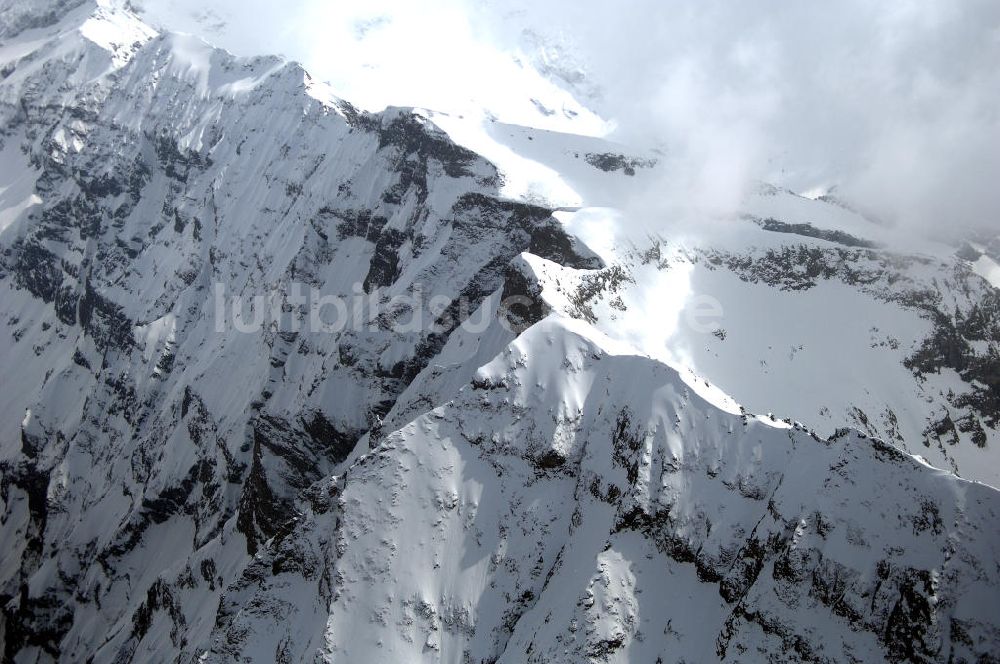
{"type": "Point", "coordinates": [437, 54]}
{"type": "Point", "coordinates": [897, 103]}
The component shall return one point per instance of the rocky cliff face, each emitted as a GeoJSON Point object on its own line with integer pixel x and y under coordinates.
{"type": "Point", "coordinates": [916, 336]}
{"type": "Point", "coordinates": [176, 188]}
{"type": "Point", "coordinates": [242, 415]}
{"type": "Point", "coordinates": [574, 504]}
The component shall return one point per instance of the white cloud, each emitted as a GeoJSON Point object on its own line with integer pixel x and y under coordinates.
{"type": "Point", "coordinates": [896, 102]}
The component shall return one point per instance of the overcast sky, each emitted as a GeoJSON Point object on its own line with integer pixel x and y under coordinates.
{"type": "Point", "coordinates": [896, 102]}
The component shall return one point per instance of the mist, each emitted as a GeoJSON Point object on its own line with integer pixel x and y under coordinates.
{"type": "Point", "coordinates": [895, 106]}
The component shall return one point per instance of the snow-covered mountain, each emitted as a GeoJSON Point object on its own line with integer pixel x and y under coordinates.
{"type": "Point", "coordinates": [288, 380]}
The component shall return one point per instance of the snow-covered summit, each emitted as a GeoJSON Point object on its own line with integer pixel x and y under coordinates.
{"type": "Point", "coordinates": [577, 503]}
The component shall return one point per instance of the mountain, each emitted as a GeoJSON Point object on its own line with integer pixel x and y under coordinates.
{"type": "Point", "coordinates": [289, 380]}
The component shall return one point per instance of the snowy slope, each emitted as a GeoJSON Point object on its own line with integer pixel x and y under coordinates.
{"type": "Point", "coordinates": [759, 297]}
{"type": "Point", "coordinates": [896, 336]}
{"type": "Point", "coordinates": [573, 503]}
{"type": "Point", "coordinates": [517, 447]}
{"type": "Point", "coordinates": [380, 54]}
{"type": "Point", "coordinates": [144, 185]}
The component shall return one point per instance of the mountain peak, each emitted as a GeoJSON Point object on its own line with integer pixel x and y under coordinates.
{"type": "Point", "coordinates": [291, 380]}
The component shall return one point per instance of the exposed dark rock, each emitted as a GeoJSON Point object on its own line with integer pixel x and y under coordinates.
{"type": "Point", "coordinates": [355, 223]}
{"type": "Point", "coordinates": [808, 230]}
{"type": "Point", "coordinates": [158, 598]}
{"type": "Point", "coordinates": [326, 436]}
{"type": "Point", "coordinates": [362, 120]}
{"type": "Point", "coordinates": [384, 267]}
{"type": "Point", "coordinates": [176, 163]}
{"type": "Point", "coordinates": [596, 285]}
{"type": "Point", "coordinates": [550, 241]}
{"type": "Point", "coordinates": [521, 304]}
{"type": "Point", "coordinates": [261, 514]}
{"type": "Point", "coordinates": [412, 135]}
{"type": "Point", "coordinates": [610, 162]}
{"type": "Point", "coordinates": [551, 459]}
{"type": "Point", "coordinates": [104, 320]}
{"type": "Point", "coordinates": [908, 631]}
{"type": "Point", "coordinates": [39, 622]}
{"type": "Point", "coordinates": [38, 271]}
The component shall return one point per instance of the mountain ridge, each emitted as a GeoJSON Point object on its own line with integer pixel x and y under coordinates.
{"type": "Point", "coordinates": [176, 484]}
